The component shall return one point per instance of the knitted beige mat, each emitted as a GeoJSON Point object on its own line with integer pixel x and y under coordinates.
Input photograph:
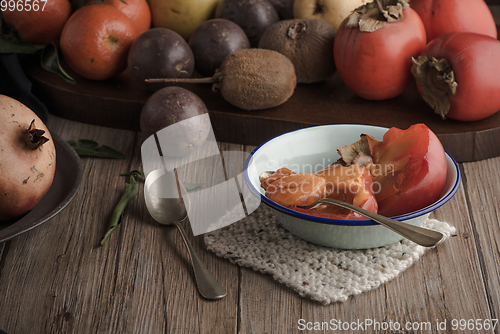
{"type": "Point", "coordinates": [320, 273]}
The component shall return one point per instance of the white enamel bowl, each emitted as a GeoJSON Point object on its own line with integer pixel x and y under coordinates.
{"type": "Point", "coordinates": [310, 149]}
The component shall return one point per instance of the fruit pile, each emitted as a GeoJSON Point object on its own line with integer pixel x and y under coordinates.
{"type": "Point", "coordinates": [448, 47]}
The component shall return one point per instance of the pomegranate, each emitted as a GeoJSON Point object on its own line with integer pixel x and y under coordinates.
{"type": "Point", "coordinates": [27, 159]}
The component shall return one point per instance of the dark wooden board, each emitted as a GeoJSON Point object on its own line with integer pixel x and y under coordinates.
{"type": "Point", "coordinates": [118, 102]}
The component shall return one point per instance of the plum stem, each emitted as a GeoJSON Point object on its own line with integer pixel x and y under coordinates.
{"type": "Point", "coordinates": [183, 80]}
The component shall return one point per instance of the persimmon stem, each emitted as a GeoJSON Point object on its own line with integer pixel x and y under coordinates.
{"type": "Point", "coordinates": [182, 80]}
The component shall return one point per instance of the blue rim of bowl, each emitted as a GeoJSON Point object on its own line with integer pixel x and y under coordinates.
{"type": "Point", "coordinates": [329, 221]}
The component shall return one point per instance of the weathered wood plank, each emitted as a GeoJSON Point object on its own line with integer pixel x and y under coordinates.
{"type": "Point", "coordinates": [211, 316]}
{"type": "Point", "coordinates": [482, 186]}
{"type": "Point", "coordinates": [49, 264]}
{"type": "Point", "coordinates": [57, 279]}
{"type": "Point", "coordinates": [265, 306]}
{"type": "Point", "coordinates": [137, 282]}
{"type": "Point", "coordinates": [427, 292]}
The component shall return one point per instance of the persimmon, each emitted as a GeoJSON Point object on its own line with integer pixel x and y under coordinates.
{"type": "Point", "coordinates": [95, 41]}
{"type": "Point", "coordinates": [445, 16]}
{"type": "Point", "coordinates": [416, 167]}
{"type": "Point", "coordinates": [457, 75]}
{"type": "Point", "coordinates": [351, 184]}
{"type": "Point", "coordinates": [373, 52]}
{"type": "Point", "coordinates": [136, 10]}
{"type": "Point", "coordinates": [38, 22]}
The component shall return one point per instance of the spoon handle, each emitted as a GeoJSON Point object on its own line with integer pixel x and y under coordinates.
{"type": "Point", "coordinates": [417, 234]}
{"type": "Point", "coordinates": [207, 285]}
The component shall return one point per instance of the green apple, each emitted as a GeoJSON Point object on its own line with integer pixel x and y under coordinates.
{"type": "Point", "coordinates": [331, 11]}
{"type": "Point", "coordinates": [181, 16]}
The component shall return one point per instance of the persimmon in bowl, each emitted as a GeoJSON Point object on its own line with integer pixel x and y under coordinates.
{"type": "Point", "coordinates": [419, 177]}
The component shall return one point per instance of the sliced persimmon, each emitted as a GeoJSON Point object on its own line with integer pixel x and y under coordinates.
{"type": "Point", "coordinates": [351, 184]}
{"type": "Point", "coordinates": [290, 189]}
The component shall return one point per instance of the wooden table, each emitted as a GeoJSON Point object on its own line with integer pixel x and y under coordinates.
{"type": "Point", "coordinates": [56, 278]}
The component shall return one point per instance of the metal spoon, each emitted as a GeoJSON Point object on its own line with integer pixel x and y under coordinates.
{"type": "Point", "coordinates": [167, 207]}
{"type": "Point", "coordinates": [417, 234]}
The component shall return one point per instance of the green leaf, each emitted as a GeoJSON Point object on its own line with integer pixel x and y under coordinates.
{"type": "Point", "coordinates": [191, 186]}
{"type": "Point", "coordinates": [50, 62]}
{"type": "Point", "coordinates": [89, 148]}
{"type": "Point", "coordinates": [131, 190]}
{"type": "Point", "coordinates": [134, 173]}
{"type": "Point", "coordinates": [10, 44]}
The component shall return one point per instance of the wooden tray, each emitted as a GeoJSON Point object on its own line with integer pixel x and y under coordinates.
{"type": "Point", "coordinates": [118, 102]}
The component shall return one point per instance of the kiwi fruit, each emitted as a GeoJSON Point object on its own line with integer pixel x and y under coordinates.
{"type": "Point", "coordinates": [251, 79]}
{"type": "Point", "coordinates": [254, 79]}
{"type": "Point", "coordinates": [308, 43]}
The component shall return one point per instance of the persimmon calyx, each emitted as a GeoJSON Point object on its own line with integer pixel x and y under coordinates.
{"type": "Point", "coordinates": [438, 79]}
{"type": "Point", "coordinates": [357, 153]}
{"type": "Point", "coordinates": [375, 15]}
{"type": "Point", "coordinates": [35, 137]}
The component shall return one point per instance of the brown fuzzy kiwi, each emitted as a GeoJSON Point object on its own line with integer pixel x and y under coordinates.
{"type": "Point", "coordinates": [254, 79]}
{"type": "Point", "coordinates": [251, 79]}
{"type": "Point", "coordinates": [308, 43]}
